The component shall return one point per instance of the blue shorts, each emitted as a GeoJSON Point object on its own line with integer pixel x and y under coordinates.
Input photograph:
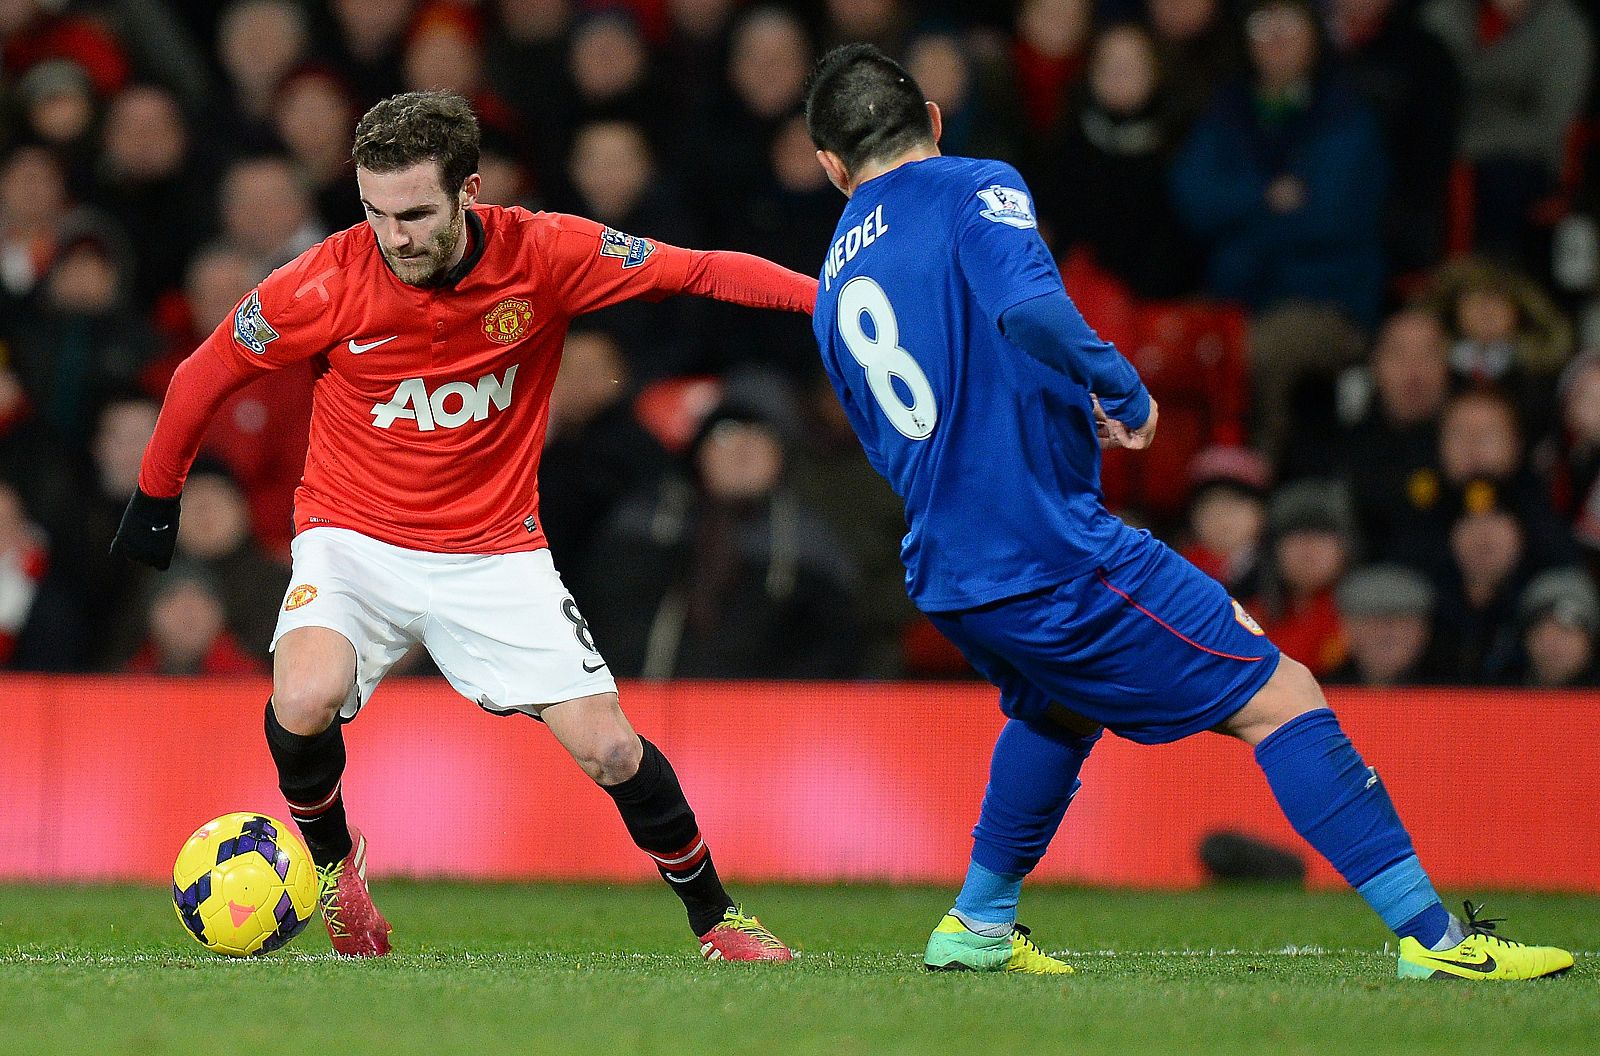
{"type": "Point", "coordinates": [1149, 647]}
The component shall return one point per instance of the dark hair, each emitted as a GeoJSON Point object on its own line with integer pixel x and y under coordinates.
{"type": "Point", "coordinates": [403, 130]}
{"type": "Point", "coordinates": [864, 106]}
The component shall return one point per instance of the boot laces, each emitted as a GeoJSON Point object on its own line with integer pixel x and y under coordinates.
{"type": "Point", "coordinates": [1484, 926]}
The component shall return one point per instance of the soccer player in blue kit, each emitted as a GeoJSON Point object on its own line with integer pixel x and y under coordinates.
{"type": "Point", "coordinates": [983, 397]}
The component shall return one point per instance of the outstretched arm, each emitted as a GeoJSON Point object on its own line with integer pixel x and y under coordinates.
{"type": "Point", "coordinates": [741, 278]}
{"type": "Point", "coordinates": [594, 266]}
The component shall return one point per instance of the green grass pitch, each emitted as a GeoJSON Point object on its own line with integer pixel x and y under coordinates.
{"type": "Point", "coordinates": [603, 970]}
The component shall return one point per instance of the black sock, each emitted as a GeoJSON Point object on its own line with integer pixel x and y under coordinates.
{"type": "Point", "coordinates": [658, 818]}
{"type": "Point", "coordinates": [309, 769]}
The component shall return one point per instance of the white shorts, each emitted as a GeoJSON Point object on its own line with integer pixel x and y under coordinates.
{"type": "Point", "coordinates": [501, 627]}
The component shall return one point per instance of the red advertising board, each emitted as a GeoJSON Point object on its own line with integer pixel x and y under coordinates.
{"type": "Point", "coordinates": [104, 778]}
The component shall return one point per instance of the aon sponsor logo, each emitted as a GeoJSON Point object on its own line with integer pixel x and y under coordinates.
{"type": "Point", "coordinates": [447, 406]}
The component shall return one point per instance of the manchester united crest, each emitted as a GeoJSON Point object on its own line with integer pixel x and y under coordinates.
{"type": "Point", "coordinates": [304, 594]}
{"type": "Point", "coordinates": [508, 321]}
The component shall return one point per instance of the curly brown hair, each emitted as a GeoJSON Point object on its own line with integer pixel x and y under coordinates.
{"type": "Point", "coordinates": [405, 129]}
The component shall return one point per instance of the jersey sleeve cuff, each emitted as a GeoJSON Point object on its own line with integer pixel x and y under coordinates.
{"type": "Point", "coordinates": [1132, 410]}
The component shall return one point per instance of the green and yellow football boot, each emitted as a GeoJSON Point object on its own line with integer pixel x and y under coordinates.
{"type": "Point", "coordinates": [1481, 955]}
{"type": "Point", "coordinates": [953, 948]}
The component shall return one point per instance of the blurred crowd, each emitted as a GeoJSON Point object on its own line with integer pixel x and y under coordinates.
{"type": "Point", "coordinates": [1352, 245]}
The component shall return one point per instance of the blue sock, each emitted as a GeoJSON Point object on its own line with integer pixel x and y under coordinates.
{"type": "Point", "coordinates": [1336, 802]}
{"type": "Point", "coordinates": [988, 898]}
{"type": "Point", "coordinates": [1032, 777]}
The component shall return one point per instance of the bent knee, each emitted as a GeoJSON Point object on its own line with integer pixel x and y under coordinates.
{"type": "Point", "coordinates": [612, 759]}
{"type": "Point", "coordinates": [1290, 692]}
{"type": "Point", "coordinates": [308, 706]}
{"type": "Point", "coordinates": [313, 674]}
{"type": "Point", "coordinates": [1297, 686]}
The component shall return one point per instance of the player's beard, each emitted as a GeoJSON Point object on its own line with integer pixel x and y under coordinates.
{"type": "Point", "coordinates": [428, 266]}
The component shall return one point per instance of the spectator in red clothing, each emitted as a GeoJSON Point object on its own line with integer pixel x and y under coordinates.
{"type": "Point", "coordinates": [1228, 517]}
{"type": "Point", "coordinates": [39, 626]}
{"type": "Point", "coordinates": [1312, 530]}
{"type": "Point", "coordinates": [217, 278]}
{"type": "Point", "coordinates": [23, 557]}
{"type": "Point", "coordinates": [187, 633]}
{"type": "Point", "coordinates": [31, 33]}
{"type": "Point", "coordinates": [1051, 48]}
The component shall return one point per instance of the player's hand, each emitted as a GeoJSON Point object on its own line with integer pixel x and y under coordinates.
{"type": "Point", "coordinates": [1113, 433]}
{"type": "Point", "coordinates": [149, 530]}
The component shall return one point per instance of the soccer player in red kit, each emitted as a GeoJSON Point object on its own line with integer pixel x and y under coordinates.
{"type": "Point", "coordinates": [436, 328]}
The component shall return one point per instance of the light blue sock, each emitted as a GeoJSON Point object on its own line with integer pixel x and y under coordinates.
{"type": "Point", "coordinates": [1033, 776]}
{"type": "Point", "coordinates": [988, 900]}
{"type": "Point", "coordinates": [1404, 897]}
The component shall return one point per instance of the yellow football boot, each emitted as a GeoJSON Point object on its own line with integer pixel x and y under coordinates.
{"type": "Point", "coordinates": [1481, 955]}
{"type": "Point", "coordinates": [953, 948]}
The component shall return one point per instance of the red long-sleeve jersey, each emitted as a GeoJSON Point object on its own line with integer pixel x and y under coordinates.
{"type": "Point", "coordinates": [429, 412]}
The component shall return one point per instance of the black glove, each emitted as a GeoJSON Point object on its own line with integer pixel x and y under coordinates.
{"type": "Point", "coordinates": [149, 530]}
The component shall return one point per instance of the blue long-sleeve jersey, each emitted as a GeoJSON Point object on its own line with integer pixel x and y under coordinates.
{"type": "Point", "coordinates": [992, 449]}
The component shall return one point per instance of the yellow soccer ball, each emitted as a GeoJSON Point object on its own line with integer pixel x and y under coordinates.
{"type": "Point", "coordinates": [244, 884]}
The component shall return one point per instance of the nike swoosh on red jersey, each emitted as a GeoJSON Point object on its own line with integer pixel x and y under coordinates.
{"type": "Point", "coordinates": [356, 347]}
